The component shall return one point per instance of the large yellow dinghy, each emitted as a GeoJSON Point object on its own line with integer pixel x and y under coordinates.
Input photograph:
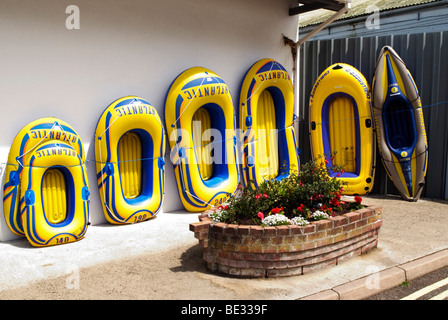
{"type": "Point", "coordinates": [400, 125]}
{"type": "Point", "coordinates": [266, 117]}
{"type": "Point", "coordinates": [200, 124]}
{"type": "Point", "coordinates": [46, 195]}
{"type": "Point", "coordinates": [129, 153]}
{"type": "Point", "coordinates": [341, 127]}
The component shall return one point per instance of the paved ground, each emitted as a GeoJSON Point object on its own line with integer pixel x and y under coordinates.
{"type": "Point", "coordinates": [161, 259]}
{"type": "Point", "coordinates": [433, 284]}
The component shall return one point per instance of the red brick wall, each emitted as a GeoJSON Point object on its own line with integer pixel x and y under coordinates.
{"type": "Point", "coordinates": [255, 251]}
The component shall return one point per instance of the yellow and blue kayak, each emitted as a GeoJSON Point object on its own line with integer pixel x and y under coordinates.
{"type": "Point", "coordinates": [46, 194]}
{"type": "Point", "coordinates": [400, 125]}
{"type": "Point", "coordinates": [266, 118]}
{"type": "Point", "coordinates": [200, 124]}
{"type": "Point", "coordinates": [341, 127]}
{"type": "Point", "coordinates": [129, 153]}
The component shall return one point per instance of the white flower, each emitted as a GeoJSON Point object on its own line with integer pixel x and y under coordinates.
{"type": "Point", "coordinates": [217, 216]}
{"type": "Point", "coordinates": [276, 220]}
{"type": "Point", "coordinates": [319, 215]}
{"type": "Point", "coordinates": [299, 221]}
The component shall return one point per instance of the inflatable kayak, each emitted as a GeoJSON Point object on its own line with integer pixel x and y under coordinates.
{"type": "Point", "coordinates": [400, 125]}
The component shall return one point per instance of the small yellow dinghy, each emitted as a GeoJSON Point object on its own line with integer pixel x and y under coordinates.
{"type": "Point", "coordinates": [129, 153]}
{"type": "Point", "coordinates": [199, 117]}
{"type": "Point", "coordinates": [266, 116]}
{"type": "Point", "coordinates": [341, 127]}
{"type": "Point", "coordinates": [46, 194]}
{"type": "Point", "coordinates": [54, 195]}
{"type": "Point", "coordinates": [400, 125]}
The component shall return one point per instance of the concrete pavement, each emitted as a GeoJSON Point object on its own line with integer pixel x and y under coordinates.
{"type": "Point", "coordinates": [413, 241]}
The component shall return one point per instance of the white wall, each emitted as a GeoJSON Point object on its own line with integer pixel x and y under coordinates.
{"type": "Point", "coordinates": [124, 47]}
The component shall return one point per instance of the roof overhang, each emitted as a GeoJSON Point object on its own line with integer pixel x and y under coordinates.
{"type": "Point", "coordinates": [310, 5]}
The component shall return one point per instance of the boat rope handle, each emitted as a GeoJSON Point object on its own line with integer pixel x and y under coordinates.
{"type": "Point", "coordinates": [82, 163]}
{"type": "Point", "coordinates": [394, 112]}
{"type": "Point", "coordinates": [194, 196]}
{"type": "Point", "coordinates": [129, 104]}
{"type": "Point", "coordinates": [102, 178]}
{"type": "Point", "coordinates": [234, 138]}
{"type": "Point", "coordinates": [79, 157]}
{"type": "Point", "coordinates": [195, 94]}
{"type": "Point", "coordinates": [202, 82]}
{"type": "Point", "coordinates": [258, 87]}
{"type": "Point", "coordinates": [227, 93]}
{"type": "Point", "coordinates": [43, 167]}
{"type": "Point", "coordinates": [35, 146]}
{"type": "Point", "coordinates": [110, 125]}
{"type": "Point", "coordinates": [412, 158]}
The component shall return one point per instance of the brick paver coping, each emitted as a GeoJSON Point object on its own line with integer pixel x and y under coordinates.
{"type": "Point", "coordinates": [255, 251]}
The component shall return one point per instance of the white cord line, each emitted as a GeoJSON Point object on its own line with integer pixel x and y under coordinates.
{"type": "Point", "coordinates": [35, 146]}
{"type": "Point", "coordinates": [265, 79]}
{"type": "Point", "coordinates": [103, 186]}
{"type": "Point", "coordinates": [186, 191]}
{"type": "Point", "coordinates": [250, 97]}
{"type": "Point", "coordinates": [194, 96]}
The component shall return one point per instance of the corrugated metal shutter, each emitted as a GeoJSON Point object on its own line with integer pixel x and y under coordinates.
{"type": "Point", "coordinates": [426, 56]}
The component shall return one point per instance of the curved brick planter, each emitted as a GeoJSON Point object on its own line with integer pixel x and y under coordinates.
{"type": "Point", "coordinates": [255, 251]}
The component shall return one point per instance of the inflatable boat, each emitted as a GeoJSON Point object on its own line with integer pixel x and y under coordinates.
{"type": "Point", "coordinates": [200, 124]}
{"type": "Point", "coordinates": [46, 194]}
{"type": "Point", "coordinates": [54, 195]}
{"type": "Point", "coordinates": [129, 153]}
{"type": "Point", "coordinates": [342, 129]}
{"type": "Point", "coordinates": [266, 118]}
{"type": "Point", "coordinates": [400, 125]}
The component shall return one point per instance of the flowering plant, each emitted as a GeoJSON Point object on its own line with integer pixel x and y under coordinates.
{"type": "Point", "coordinates": [311, 194]}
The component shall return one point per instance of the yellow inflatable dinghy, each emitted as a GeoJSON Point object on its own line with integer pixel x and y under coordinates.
{"type": "Point", "coordinates": [266, 117]}
{"type": "Point", "coordinates": [129, 153]}
{"type": "Point", "coordinates": [45, 193]}
{"type": "Point", "coordinates": [341, 127]}
{"type": "Point", "coordinates": [200, 124]}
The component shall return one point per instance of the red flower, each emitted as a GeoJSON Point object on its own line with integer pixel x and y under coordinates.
{"type": "Point", "coordinates": [358, 199]}
{"type": "Point", "coordinates": [261, 215]}
{"type": "Point", "coordinates": [301, 208]}
{"type": "Point", "coordinates": [277, 210]}
{"type": "Point", "coordinates": [334, 202]}
{"type": "Point", "coordinates": [226, 208]}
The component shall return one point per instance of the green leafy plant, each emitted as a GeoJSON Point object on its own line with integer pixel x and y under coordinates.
{"type": "Point", "coordinates": [311, 194]}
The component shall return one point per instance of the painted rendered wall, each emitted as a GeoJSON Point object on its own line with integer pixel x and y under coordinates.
{"type": "Point", "coordinates": [127, 47]}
